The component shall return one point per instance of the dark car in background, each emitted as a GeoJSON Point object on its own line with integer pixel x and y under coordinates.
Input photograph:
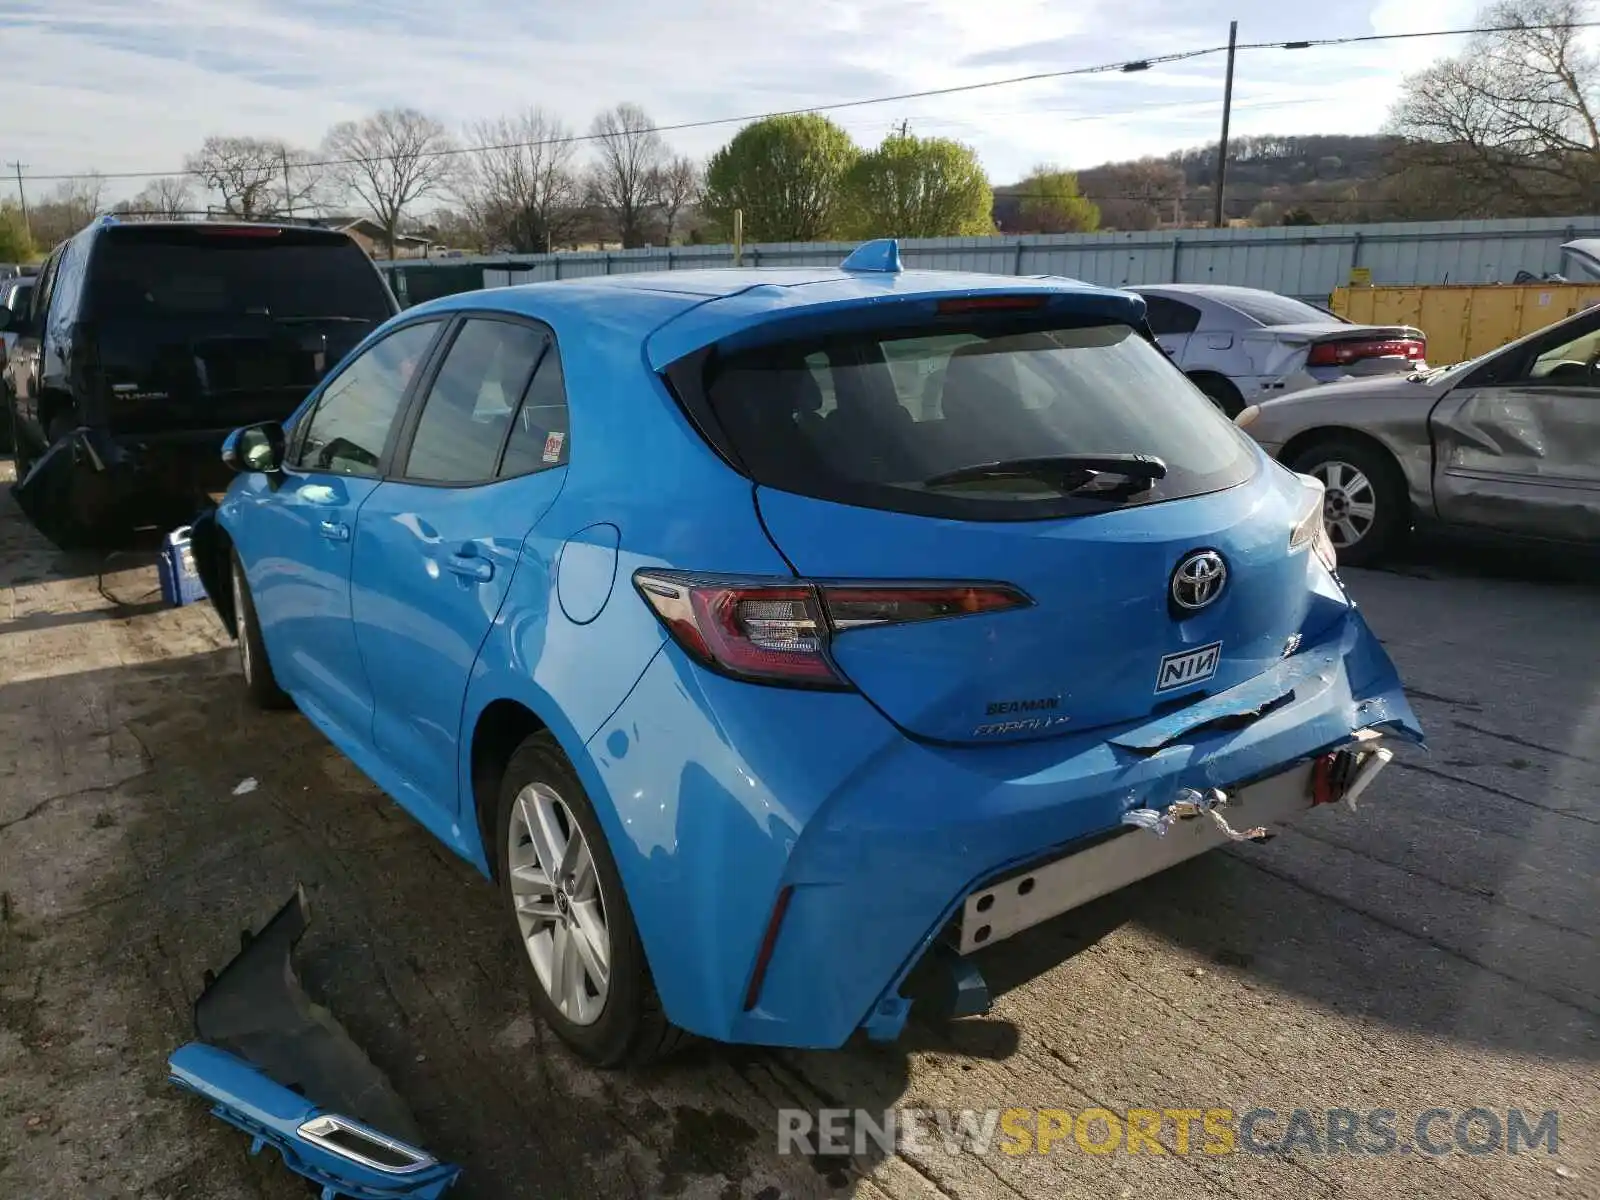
{"type": "Point", "coordinates": [146, 342]}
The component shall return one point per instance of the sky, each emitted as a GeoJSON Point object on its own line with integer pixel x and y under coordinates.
{"type": "Point", "coordinates": [115, 86]}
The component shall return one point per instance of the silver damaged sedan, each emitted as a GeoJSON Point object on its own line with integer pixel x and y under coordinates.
{"type": "Point", "coordinates": [1504, 444]}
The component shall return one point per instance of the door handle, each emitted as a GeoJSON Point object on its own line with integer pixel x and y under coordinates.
{"type": "Point", "coordinates": [335, 532]}
{"type": "Point", "coordinates": [470, 566]}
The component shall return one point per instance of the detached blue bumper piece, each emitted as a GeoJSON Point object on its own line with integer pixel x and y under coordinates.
{"type": "Point", "coordinates": [341, 1155]}
{"type": "Point", "coordinates": [281, 1068]}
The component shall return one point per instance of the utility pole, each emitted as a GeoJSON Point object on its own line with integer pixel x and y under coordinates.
{"type": "Point", "coordinates": [288, 196]}
{"type": "Point", "coordinates": [1227, 111]}
{"type": "Point", "coordinates": [22, 196]}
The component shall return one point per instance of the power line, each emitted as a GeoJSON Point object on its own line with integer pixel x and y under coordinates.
{"type": "Point", "coordinates": [1126, 66]}
{"type": "Point", "coordinates": [681, 126]}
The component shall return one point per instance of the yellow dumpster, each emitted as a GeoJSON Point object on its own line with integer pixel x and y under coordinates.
{"type": "Point", "coordinates": [1465, 320]}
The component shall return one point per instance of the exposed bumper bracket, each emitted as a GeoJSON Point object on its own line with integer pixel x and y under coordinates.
{"type": "Point", "coordinates": [1189, 825]}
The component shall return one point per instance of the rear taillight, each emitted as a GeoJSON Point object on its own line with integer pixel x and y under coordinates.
{"type": "Point", "coordinates": [779, 631]}
{"type": "Point", "coordinates": [1342, 353]}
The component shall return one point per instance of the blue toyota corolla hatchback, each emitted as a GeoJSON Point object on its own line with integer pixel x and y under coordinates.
{"type": "Point", "coordinates": [768, 634]}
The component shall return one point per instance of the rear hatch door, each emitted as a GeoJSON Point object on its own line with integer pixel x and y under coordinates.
{"type": "Point", "coordinates": [218, 326]}
{"type": "Point", "coordinates": [1139, 599]}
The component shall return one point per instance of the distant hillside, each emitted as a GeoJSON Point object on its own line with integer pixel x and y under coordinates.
{"type": "Point", "coordinates": [1330, 177]}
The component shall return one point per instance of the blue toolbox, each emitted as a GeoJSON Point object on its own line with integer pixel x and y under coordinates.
{"type": "Point", "coordinates": [180, 582]}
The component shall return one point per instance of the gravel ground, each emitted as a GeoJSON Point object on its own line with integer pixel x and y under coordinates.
{"type": "Point", "coordinates": [1434, 950]}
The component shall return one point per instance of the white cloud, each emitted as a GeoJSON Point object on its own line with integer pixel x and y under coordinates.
{"type": "Point", "coordinates": [112, 86]}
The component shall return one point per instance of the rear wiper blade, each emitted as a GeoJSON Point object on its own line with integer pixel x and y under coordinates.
{"type": "Point", "coordinates": [1069, 471]}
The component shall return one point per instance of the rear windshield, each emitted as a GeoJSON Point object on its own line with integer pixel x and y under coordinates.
{"type": "Point", "coordinates": [1279, 310]}
{"type": "Point", "coordinates": [187, 274]}
{"type": "Point", "coordinates": [875, 418]}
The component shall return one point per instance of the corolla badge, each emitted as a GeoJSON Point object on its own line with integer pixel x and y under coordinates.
{"type": "Point", "coordinates": [1197, 580]}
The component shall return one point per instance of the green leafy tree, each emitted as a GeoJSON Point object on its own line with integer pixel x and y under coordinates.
{"type": "Point", "coordinates": [15, 244]}
{"type": "Point", "coordinates": [920, 187]}
{"type": "Point", "coordinates": [787, 175]}
{"type": "Point", "coordinates": [1051, 203]}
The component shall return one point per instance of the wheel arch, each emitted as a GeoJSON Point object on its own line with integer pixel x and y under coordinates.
{"type": "Point", "coordinates": [502, 726]}
{"type": "Point", "coordinates": [501, 713]}
{"type": "Point", "coordinates": [1199, 375]}
{"type": "Point", "coordinates": [1307, 438]}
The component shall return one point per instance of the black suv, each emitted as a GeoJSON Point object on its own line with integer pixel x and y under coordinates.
{"type": "Point", "coordinates": [146, 343]}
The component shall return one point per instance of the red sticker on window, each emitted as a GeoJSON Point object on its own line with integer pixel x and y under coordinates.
{"type": "Point", "coordinates": [552, 447]}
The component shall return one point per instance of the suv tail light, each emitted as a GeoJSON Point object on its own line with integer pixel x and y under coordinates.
{"type": "Point", "coordinates": [779, 631]}
{"type": "Point", "coordinates": [1342, 353]}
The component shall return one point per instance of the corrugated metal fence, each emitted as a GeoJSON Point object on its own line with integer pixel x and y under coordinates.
{"type": "Point", "coordinates": [1307, 261]}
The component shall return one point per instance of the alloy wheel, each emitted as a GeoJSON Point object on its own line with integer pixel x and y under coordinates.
{"type": "Point", "coordinates": [1349, 503]}
{"type": "Point", "coordinates": [560, 906]}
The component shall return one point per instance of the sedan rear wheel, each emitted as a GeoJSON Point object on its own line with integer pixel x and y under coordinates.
{"type": "Point", "coordinates": [1365, 508]}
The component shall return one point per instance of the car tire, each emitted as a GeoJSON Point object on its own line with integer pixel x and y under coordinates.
{"type": "Point", "coordinates": [259, 680]}
{"type": "Point", "coordinates": [1367, 510]}
{"type": "Point", "coordinates": [614, 1023]}
{"type": "Point", "coordinates": [1220, 392]}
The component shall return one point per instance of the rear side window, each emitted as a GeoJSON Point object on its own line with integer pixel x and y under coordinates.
{"type": "Point", "coordinates": [540, 435]}
{"type": "Point", "coordinates": [885, 414]}
{"type": "Point", "coordinates": [1270, 309]}
{"type": "Point", "coordinates": [281, 274]}
{"type": "Point", "coordinates": [1170, 316]}
{"type": "Point", "coordinates": [471, 403]}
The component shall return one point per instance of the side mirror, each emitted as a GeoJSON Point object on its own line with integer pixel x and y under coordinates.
{"type": "Point", "coordinates": [255, 448]}
{"type": "Point", "coordinates": [7, 319]}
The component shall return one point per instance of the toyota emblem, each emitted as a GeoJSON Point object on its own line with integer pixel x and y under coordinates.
{"type": "Point", "coordinates": [1198, 580]}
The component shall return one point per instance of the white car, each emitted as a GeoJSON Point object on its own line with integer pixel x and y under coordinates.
{"type": "Point", "coordinates": [1242, 346]}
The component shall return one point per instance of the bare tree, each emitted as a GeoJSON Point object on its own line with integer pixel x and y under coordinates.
{"type": "Point", "coordinates": [391, 160]}
{"type": "Point", "coordinates": [519, 186]}
{"type": "Point", "coordinates": [68, 208]}
{"type": "Point", "coordinates": [677, 187]}
{"type": "Point", "coordinates": [629, 154]}
{"type": "Point", "coordinates": [170, 198]}
{"type": "Point", "coordinates": [1516, 114]}
{"type": "Point", "coordinates": [256, 178]}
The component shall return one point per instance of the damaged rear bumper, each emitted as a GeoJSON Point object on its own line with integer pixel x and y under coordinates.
{"type": "Point", "coordinates": [827, 849]}
{"type": "Point", "coordinates": [97, 480]}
